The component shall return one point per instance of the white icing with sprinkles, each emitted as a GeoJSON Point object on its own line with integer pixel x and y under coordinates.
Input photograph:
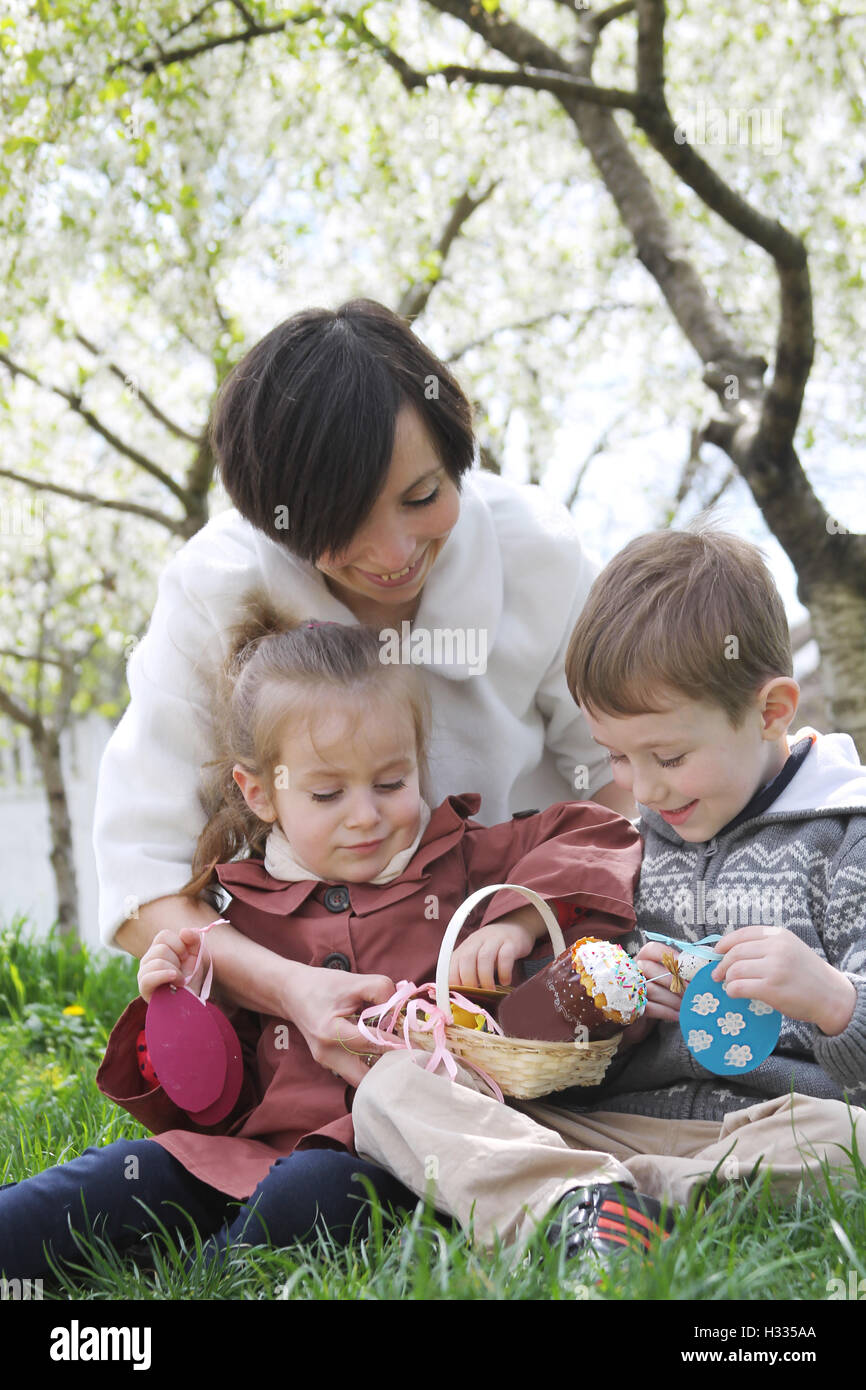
{"type": "Point", "coordinates": [615, 975]}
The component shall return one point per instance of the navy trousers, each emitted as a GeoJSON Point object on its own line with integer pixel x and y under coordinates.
{"type": "Point", "coordinates": [124, 1190]}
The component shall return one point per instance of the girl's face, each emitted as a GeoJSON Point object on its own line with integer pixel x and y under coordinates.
{"type": "Point", "coordinates": [345, 791]}
{"type": "Point", "coordinates": [393, 551]}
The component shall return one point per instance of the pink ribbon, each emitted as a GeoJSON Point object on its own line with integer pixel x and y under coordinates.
{"type": "Point", "coordinates": [203, 954]}
{"type": "Point", "coordinates": [423, 1016]}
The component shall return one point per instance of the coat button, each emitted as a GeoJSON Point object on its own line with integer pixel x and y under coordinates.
{"type": "Point", "coordinates": [336, 899]}
{"type": "Point", "coordinates": [337, 961]}
{"type": "Point", "coordinates": [520, 815]}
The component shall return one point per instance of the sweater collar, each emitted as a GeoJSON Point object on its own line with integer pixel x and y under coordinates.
{"type": "Point", "coordinates": [249, 882]}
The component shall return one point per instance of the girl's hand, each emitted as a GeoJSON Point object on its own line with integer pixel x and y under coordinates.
{"type": "Point", "coordinates": [169, 960]}
{"type": "Point", "coordinates": [325, 1009]}
{"type": "Point", "coordinates": [777, 967]}
{"type": "Point", "coordinates": [486, 958]}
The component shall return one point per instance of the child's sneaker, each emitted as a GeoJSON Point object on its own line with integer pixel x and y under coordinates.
{"type": "Point", "coordinates": [606, 1219]}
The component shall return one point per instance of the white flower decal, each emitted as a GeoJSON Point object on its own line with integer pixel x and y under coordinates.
{"type": "Point", "coordinates": [699, 1040]}
{"type": "Point", "coordinates": [704, 1004]}
{"type": "Point", "coordinates": [731, 1024]}
{"type": "Point", "coordinates": [738, 1054]}
{"type": "Point", "coordinates": [757, 1006]}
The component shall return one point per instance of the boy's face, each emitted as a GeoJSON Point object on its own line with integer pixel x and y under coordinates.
{"type": "Point", "coordinates": [690, 765]}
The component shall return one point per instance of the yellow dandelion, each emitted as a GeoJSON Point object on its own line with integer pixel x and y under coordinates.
{"type": "Point", "coordinates": [74, 1010]}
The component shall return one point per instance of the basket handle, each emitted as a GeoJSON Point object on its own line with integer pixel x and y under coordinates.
{"type": "Point", "coordinates": [453, 930]}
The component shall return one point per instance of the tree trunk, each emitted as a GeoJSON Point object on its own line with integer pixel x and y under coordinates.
{"type": "Point", "coordinates": [47, 749]}
{"type": "Point", "coordinates": [839, 622]}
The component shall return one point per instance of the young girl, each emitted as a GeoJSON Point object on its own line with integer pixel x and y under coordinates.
{"type": "Point", "coordinates": [352, 877]}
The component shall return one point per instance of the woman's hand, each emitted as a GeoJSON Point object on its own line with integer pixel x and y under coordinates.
{"type": "Point", "coordinates": [324, 1007]}
{"type": "Point", "coordinates": [777, 967]}
{"type": "Point", "coordinates": [486, 958]}
{"type": "Point", "coordinates": [169, 960]}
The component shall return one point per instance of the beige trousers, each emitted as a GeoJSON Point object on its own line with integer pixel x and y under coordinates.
{"type": "Point", "coordinates": [499, 1169]}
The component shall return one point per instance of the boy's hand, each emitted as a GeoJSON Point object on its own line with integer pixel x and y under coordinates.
{"type": "Point", "coordinates": [169, 960]}
{"type": "Point", "coordinates": [662, 1003]}
{"type": "Point", "coordinates": [777, 967]}
{"type": "Point", "coordinates": [486, 958]}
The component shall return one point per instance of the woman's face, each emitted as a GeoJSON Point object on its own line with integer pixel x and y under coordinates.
{"type": "Point", "coordinates": [393, 551]}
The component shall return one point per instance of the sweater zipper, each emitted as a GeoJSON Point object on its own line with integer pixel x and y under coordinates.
{"type": "Point", "coordinates": [699, 890]}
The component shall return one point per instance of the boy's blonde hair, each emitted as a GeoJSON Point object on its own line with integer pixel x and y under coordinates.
{"type": "Point", "coordinates": [689, 613]}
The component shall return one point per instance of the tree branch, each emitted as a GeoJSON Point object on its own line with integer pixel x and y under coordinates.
{"type": "Point", "coordinates": [38, 657]}
{"type": "Point", "coordinates": [556, 81]}
{"type": "Point", "coordinates": [182, 55]}
{"type": "Point", "coordinates": [187, 24]}
{"type": "Point", "coordinates": [19, 714]}
{"type": "Point", "coordinates": [539, 80]}
{"type": "Point", "coordinates": [535, 322]}
{"type": "Point", "coordinates": [604, 17]}
{"type": "Point", "coordinates": [519, 45]}
{"type": "Point", "coordinates": [177, 528]}
{"type": "Point", "coordinates": [650, 49]}
{"type": "Point", "coordinates": [729, 477]}
{"type": "Point", "coordinates": [75, 403]}
{"type": "Point", "coordinates": [702, 321]}
{"type": "Point", "coordinates": [140, 395]}
{"type": "Point", "coordinates": [795, 342]}
{"type": "Point", "coordinates": [669, 140]}
{"type": "Point", "coordinates": [795, 349]}
{"type": "Point", "coordinates": [414, 301]}
{"type": "Point", "coordinates": [594, 451]}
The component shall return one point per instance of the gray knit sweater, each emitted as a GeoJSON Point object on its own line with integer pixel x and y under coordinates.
{"type": "Point", "coordinates": [800, 864]}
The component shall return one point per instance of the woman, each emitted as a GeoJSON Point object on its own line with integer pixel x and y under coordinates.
{"type": "Point", "coordinates": [345, 446]}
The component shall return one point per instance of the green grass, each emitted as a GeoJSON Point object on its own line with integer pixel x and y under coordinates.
{"type": "Point", "coordinates": [738, 1243]}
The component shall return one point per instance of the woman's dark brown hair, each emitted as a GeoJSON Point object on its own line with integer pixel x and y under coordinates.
{"type": "Point", "coordinates": [303, 426]}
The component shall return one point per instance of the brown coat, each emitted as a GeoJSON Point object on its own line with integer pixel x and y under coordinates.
{"type": "Point", "coordinates": [576, 852]}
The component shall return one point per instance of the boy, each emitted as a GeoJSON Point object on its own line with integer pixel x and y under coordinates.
{"type": "Point", "coordinates": [681, 661]}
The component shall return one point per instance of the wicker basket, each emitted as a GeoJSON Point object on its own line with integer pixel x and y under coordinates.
{"type": "Point", "coordinates": [522, 1067]}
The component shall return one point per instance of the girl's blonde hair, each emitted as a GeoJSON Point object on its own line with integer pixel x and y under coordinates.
{"type": "Point", "coordinates": [277, 669]}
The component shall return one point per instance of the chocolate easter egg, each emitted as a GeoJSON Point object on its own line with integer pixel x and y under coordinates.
{"type": "Point", "coordinates": [591, 991]}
